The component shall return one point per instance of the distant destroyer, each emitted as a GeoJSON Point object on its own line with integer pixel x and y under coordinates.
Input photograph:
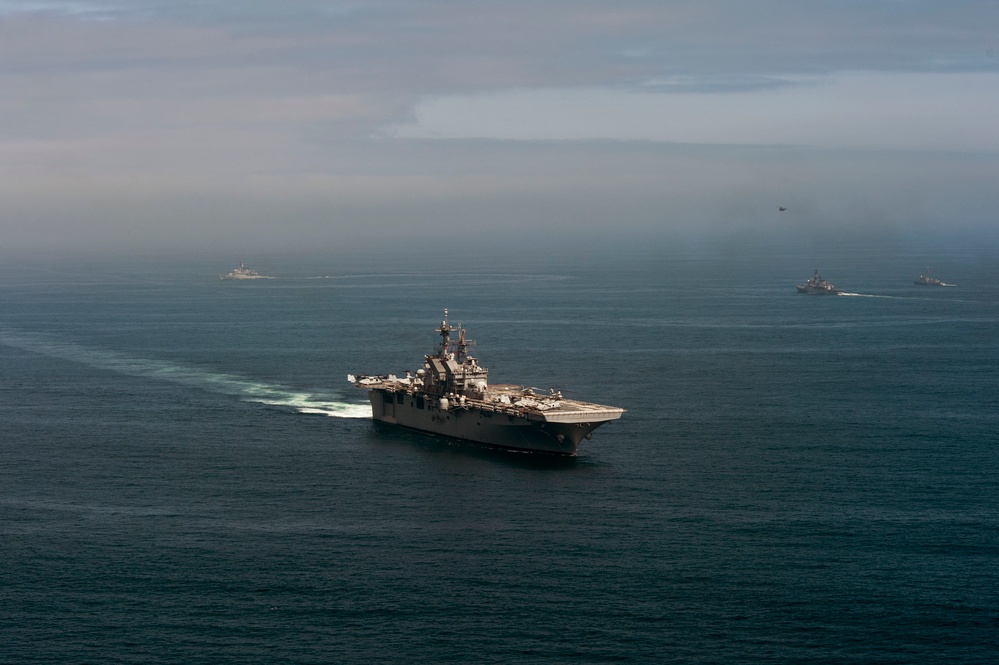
{"type": "Point", "coordinates": [926, 280]}
{"type": "Point", "coordinates": [816, 286]}
{"type": "Point", "coordinates": [242, 272]}
{"type": "Point", "coordinates": [450, 396]}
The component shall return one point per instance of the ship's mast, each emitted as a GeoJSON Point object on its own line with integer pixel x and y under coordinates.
{"type": "Point", "coordinates": [462, 345]}
{"type": "Point", "coordinates": [445, 330]}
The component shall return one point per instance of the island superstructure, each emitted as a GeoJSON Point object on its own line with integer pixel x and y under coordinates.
{"type": "Point", "coordinates": [450, 395]}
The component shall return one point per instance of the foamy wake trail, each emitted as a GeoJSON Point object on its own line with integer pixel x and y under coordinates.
{"type": "Point", "coordinates": [329, 404]}
{"type": "Point", "coordinates": [867, 295]}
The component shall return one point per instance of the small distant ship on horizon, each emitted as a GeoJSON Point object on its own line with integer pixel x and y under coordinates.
{"type": "Point", "coordinates": [242, 272]}
{"type": "Point", "coordinates": [926, 280]}
{"type": "Point", "coordinates": [817, 286]}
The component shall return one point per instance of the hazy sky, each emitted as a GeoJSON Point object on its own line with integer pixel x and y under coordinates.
{"type": "Point", "coordinates": [246, 127]}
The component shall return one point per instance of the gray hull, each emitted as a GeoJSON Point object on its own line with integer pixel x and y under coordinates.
{"type": "Point", "coordinates": [504, 430]}
{"type": "Point", "coordinates": [818, 292]}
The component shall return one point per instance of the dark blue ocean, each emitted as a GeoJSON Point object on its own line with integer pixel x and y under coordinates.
{"type": "Point", "coordinates": [186, 476]}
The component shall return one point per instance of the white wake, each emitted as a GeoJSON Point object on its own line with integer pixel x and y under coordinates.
{"type": "Point", "coordinates": [869, 295]}
{"type": "Point", "coordinates": [248, 390]}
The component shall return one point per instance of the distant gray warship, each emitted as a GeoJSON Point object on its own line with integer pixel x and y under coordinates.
{"type": "Point", "coordinates": [242, 272]}
{"type": "Point", "coordinates": [926, 280]}
{"type": "Point", "coordinates": [450, 396]}
{"type": "Point", "coordinates": [816, 286]}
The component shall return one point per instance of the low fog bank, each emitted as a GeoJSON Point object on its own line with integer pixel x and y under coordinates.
{"type": "Point", "coordinates": [492, 201]}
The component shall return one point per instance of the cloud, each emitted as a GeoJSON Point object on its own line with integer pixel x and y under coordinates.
{"type": "Point", "coordinates": [173, 122]}
{"type": "Point", "coordinates": [871, 111]}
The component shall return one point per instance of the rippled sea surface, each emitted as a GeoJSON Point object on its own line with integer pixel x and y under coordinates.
{"type": "Point", "coordinates": [186, 476]}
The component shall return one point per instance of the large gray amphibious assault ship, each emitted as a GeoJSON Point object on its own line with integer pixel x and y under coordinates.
{"type": "Point", "coordinates": [450, 396]}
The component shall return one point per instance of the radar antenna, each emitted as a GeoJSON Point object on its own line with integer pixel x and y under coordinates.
{"type": "Point", "coordinates": [463, 344]}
